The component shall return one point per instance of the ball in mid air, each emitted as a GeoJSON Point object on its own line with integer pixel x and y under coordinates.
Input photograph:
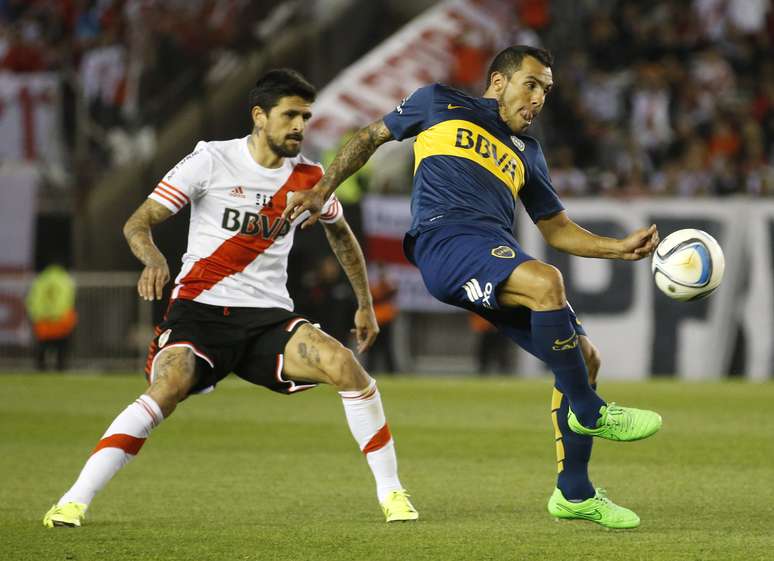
{"type": "Point", "coordinates": [688, 265]}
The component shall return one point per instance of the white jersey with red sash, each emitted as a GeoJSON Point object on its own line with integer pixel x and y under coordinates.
{"type": "Point", "coordinates": [238, 243]}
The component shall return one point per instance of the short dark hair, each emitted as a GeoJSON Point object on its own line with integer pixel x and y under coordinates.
{"type": "Point", "coordinates": [279, 83]}
{"type": "Point", "coordinates": [509, 60]}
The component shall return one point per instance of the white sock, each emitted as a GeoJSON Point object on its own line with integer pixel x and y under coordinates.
{"type": "Point", "coordinates": [365, 416]}
{"type": "Point", "coordinates": [120, 443]}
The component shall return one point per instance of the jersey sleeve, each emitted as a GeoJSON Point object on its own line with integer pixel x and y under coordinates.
{"type": "Point", "coordinates": [331, 211]}
{"type": "Point", "coordinates": [408, 119]}
{"type": "Point", "coordinates": [538, 195]}
{"type": "Point", "coordinates": [186, 181]}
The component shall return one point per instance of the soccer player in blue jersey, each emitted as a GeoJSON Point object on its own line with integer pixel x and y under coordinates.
{"type": "Point", "coordinates": [472, 160]}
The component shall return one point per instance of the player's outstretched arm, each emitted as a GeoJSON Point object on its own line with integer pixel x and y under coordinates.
{"type": "Point", "coordinates": [565, 235]}
{"type": "Point", "coordinates": [352, 156]}
{"type": "Point", "coordinates": [347, 250]}
{"type": "Point", "coordinates": [137, 232]}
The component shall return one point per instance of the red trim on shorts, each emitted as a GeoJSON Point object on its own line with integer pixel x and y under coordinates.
{"type": "Point", "coordinates": [126, 442]}
{"type": "Point", "coordinates": [292, 387]}
{"type": "Point", "coordinates": [379, 440]}
{"type": "Point", "coordinates": [153, 348]}
{"type": "Point", "coordinates": [195, 350]}
{"type": "Point", "coordinates": [239, 251]}
{"type": "Point", "coordinates": [293, 323]}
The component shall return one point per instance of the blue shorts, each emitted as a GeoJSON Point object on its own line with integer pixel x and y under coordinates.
{"type": "Point", "coordinates": [464, 265]}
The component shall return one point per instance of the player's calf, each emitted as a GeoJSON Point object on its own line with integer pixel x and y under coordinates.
{"type": "Point", "coordinates": [312, 355]}
{"type": "Point", "coordinates": [172, 377]}
{"type": "Point", "coordinates": [592, 358]}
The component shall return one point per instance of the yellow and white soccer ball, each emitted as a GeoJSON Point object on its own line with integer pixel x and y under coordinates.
{"type": "Point", "coordinates": [688, 265]}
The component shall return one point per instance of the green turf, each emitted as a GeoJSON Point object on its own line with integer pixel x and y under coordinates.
{"type": "Point", "coordinates": [244, 474]}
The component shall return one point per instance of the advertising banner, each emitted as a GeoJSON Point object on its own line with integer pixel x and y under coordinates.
{"type": "Point", "coordinates": [18, 198]}
{"type": "Point", "coordinates": [29, 117]}
{"type": "Point", "coordinates": [638, 330]}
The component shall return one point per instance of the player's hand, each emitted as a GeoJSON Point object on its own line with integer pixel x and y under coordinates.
{"type": "Point", "coordinates": [311, 200]}
{"type": "Point", "coordinates": [153, 279]}
{"type": "Point", "coordinates": [366, 328]}
{"type": "Point", "coordinates": [639, 244]}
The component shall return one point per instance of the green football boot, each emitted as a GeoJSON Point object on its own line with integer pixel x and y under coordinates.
{"type": "Point", "coordinates": [398, 508]}
{"type": "Point", "coordinates": [69, 515]}
{"type": "Point", "coordinates": [598, 509]}
{"type": "Point", "coordinates": [619, 423]}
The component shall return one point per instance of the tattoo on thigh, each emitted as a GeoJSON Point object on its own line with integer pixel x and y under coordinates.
{"type": "Point", "coordinates": [175, 361]}
{"type": "Point", "coordinates": [310, 354]}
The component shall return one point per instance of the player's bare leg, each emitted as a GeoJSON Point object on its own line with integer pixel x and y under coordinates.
{"type": "Point", "coordinates": [173, 375]}
{"type": "Point", "coordinates": [312, 355]}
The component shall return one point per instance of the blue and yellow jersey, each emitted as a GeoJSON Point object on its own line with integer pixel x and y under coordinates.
{"type": "Point", "coordinates": [469, 166]}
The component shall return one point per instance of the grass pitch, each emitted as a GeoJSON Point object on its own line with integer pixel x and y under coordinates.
{"type": "Point", "coordinates": [245, 474]}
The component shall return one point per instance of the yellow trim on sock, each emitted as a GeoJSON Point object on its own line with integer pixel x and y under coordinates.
{"type": "Point", "coordinates": [556, 401]}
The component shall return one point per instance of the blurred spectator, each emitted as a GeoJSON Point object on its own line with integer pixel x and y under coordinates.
{"type": "Point", "coordinates": [471, 52]}
{"type": "Point", "coordinates": [601, 96]}
{"type": "Point", "coordinates": [51, 308]}
{"type": "Point", "coordinates": [694, 178]}
{"type": "Point", "coordinates": [638, 84]}
{"type": "Point", "coordinates": [23, 52]}
{"type": "Point", "coordinates": [493, 350]}
{"type": "Point", "coordinates": [659, 98]}
{"type": "Point", "coordinates": [565, 176]}
{"type": "Point", "coordinates": [103, 79]}
{"type": "Point", "coordinates": [130, 60]}
{"type": "Point", "coordinates": [381, 357]}
{"type": "Point", "coordinates": [650, 119]}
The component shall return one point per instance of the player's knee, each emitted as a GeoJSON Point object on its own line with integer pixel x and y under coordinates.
{"type": "Point", "coordinates": [345, 371]}
{"type": "Point", "coordinates": [173, 378]}
{"type": "Point", "coordinates": [549, 289]}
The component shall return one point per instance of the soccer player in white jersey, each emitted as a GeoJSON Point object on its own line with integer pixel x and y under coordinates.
{"type": "Point", "coordinates": [230, 310]}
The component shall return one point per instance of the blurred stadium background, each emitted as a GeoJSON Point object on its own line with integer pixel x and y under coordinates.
{"type": "Point", "coordinates": [663, 112]}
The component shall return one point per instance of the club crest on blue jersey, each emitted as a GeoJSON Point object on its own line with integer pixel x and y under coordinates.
{"type": "Point", "coordinates": [518, 143]}
{"type": "Point", "coordinates": [504, 252]}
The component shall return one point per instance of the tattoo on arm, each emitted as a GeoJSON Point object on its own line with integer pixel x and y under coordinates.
{"type": "Point", "coordinates": [137, 230]}
{"type": "Point", "coordinates": [355, 154]}
{"type": "Point", "coordinates": [348, 252]}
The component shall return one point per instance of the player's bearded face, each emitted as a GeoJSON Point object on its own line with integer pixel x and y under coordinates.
{"type": "Point", "coordinates": [525, 93]}
{"type": "Point", "coordinates": [285, 146]}
{"type": "Point", "coordinates": [285, 124]}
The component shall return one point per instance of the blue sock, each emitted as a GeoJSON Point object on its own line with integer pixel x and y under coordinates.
{"type": "Point", "coordinates": [556, 343]}
{"type": "Point", "coordinates": [573, 452]}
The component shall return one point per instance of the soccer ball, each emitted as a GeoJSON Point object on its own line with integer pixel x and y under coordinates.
{"type": "Point", "coordinates": [688, 265]}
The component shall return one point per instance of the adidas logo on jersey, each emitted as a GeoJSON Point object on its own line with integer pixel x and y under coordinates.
{"type": "Point", "coordinates": [473, 290]}
{"type": "Point", "coordinates": [237, 192]}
